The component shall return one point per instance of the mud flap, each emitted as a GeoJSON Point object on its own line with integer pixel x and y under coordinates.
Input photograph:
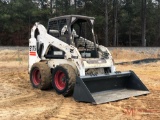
{"type": "Point", "coordinates": [110, 87]}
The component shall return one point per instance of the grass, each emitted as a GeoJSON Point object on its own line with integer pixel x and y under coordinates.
{"type": "Point", "coordinates": [14, 55]}
{"type": "Point", "coordinates": [120, 55]}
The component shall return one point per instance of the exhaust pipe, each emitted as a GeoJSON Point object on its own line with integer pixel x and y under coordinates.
{"type": "Point", "coordinates": [110, 87]}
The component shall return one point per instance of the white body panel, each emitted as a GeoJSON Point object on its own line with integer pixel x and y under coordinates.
{"type": "Point", "coordinates": [33, 57]}
{"type": "Point", "coordinates": [79, 64]}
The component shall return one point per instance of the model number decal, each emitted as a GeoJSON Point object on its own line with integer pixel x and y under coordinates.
{"type": "Point", "coordinates": [32, 48]}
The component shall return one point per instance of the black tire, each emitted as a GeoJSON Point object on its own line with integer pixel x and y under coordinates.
{"type": "Point", "coordinates": [63, 79]}
{"type": "Point", "coordinates": [40, 76]}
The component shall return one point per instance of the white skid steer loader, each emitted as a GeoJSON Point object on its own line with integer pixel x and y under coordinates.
{"type": "Point", "coordinates": [67, 57]}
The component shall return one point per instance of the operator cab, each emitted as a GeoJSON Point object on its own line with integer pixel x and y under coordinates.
{"type": "Point", "coordinates": [75, 30]}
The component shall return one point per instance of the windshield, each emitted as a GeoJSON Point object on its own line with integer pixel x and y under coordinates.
{"type": "Point", "coordinates": [83, 37]}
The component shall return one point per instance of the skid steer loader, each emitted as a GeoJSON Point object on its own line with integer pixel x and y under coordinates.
{"type": "Point", "coordinates": [67, 56]}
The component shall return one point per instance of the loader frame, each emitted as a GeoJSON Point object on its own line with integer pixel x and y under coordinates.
{"type": "Point", "coordinates": [85, 67]}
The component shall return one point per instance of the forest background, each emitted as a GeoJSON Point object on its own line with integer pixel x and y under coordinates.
{"type": "Point", "coordinates": [117, 22]}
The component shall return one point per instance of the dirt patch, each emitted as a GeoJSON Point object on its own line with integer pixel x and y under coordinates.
{"type": "Point", "coordinates": [18, 100]}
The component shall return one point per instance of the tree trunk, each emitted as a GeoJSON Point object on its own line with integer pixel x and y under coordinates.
{"type": "Point", "coordinates": [117, 37]}
{"type": "Point", "coordinates": [75, 3]}
{"type": "Point", "coordinates": [158, 31]}
{"type": "Point", "coordinates": [106, 43]}
{"type": "Point", "coordinates": [130, 39]}
{"type": "Point", "coordinates": [143, 23]}
{"type": "Point", "coordinates": [51, 5]}
{"type": "Point", "coordinates": [115, 23]}
{"type": "Point", "coordinates": [66, 6]}
{"type": "Point", "coordinates": [56, 8]}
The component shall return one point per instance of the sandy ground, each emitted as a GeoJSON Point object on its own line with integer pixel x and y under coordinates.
{"type": "Point", "coordinates": [19, 101]}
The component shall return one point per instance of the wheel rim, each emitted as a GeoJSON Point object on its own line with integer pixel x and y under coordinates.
{"type": "Point", "coordinates": [36, 76]}
{"type": "Point", "coordinates": [60, 80]}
